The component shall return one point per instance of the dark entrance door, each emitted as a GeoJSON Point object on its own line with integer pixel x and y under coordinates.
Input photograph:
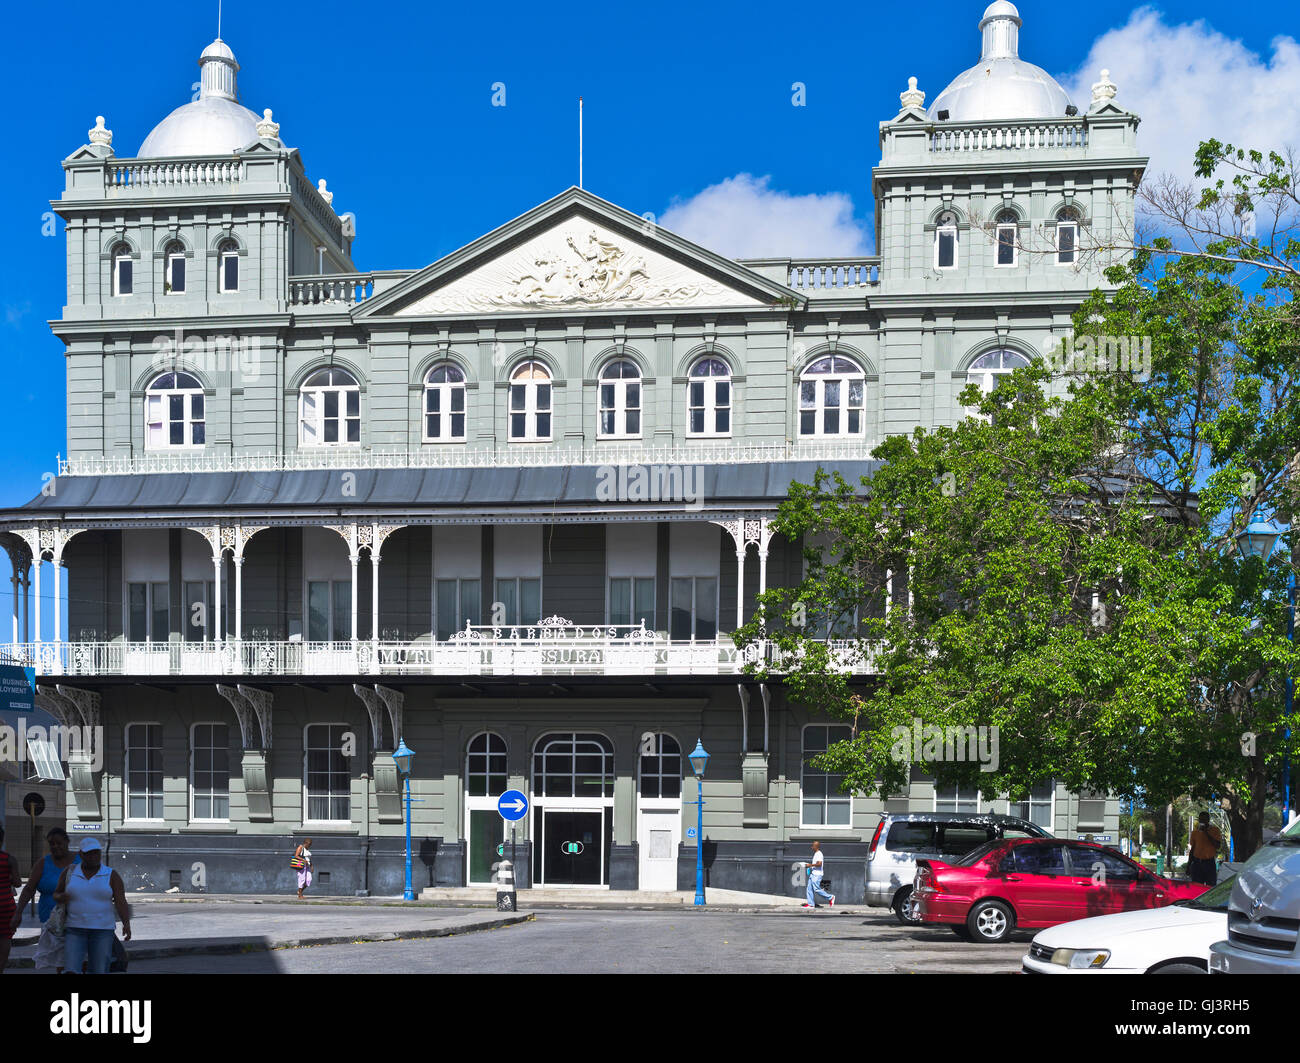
{"type": "Point", "coordinates": [573, 848]}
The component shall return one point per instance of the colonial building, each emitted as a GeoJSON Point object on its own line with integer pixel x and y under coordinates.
{"type": "Point", "coordinates": [507, 507]}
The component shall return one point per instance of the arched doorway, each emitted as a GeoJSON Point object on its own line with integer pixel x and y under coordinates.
{"type": "Point", "coordinates": [485, 782]}
{"type": "Point", "coordinates": [573, 809]}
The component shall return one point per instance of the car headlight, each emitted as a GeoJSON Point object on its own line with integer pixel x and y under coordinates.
{"type": "Point", "coordinates": [1081, 959]}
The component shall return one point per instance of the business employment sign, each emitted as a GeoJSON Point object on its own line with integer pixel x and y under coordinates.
{"type": "Point", "coordinates": [17, 686]}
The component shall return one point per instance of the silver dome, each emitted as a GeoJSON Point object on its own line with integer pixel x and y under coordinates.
{"type": "Point", "coordinates": [1001, 85]}
{"type": "Point", "coordinates": [215, 123]}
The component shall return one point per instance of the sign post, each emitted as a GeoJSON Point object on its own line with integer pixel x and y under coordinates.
{"type": "Point", "coordinates": [513, 806]}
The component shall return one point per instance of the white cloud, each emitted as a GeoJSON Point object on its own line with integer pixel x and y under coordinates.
{"type": "Point", "coordinates": [742, 217]}
{"type": "Point", "coordinates": [1189, 82]}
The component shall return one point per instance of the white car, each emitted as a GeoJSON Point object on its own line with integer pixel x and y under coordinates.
{"type": "Point", "coordinates": [1172, 940]}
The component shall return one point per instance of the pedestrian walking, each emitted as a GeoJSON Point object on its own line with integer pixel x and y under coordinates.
{"type": "Point", "coordinates": [1206, 843]}
{"type": "Point", "coordinates": [816, 868]}
{"type": "Point", "coordinates": [45, 877]}
{"type": "Point", "coordinates": [96, 899]}
{"type": "Point", "coordinates": [8, 882]}
{"type": "Point", "coordinates": [301, 863]}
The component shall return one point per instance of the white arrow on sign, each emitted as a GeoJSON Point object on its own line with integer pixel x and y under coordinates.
{"type": "Point", "coordinates": [515, 806]}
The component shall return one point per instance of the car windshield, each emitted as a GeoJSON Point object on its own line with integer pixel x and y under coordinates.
{"type": "Point", "coordinates": [1214, 899]}
{"type": "Point", "coordinates": [976, 855]}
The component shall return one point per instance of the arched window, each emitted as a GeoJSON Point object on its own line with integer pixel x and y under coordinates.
{"type": "Point", "coordinates": [620, 401]}
{"type": "Point", "coordinates": [485, 766]}
{"type": "Point", "coordinates": [530, 402]}
{"type": "Point", "coordinates": [945, 241]}
{"type": "Point", "coordinates": [1067, 236]}
{"type": "Point", "coordinates": [661, 768]}
{"type": "Point", "coordinates": [573, 765]}
{"type": "Point", "coordinates": [174, 413]}
{"type": "Point", "coordinates": [444, 404]}
{"type": "Point", "coordinates": [708, 398]}
{"type": "Point", "coordinates": [228, 266]}
{"type": "Point", "coordinates": [123, 267]}
{"type": "Point", "coordinates": [989, 370]}
{"type": "Point", "coordinates": [1007, 233]}
{"type": "Point", "coordinates": [174, 268]}
{"type": "Point", "coordinates": [831, 398]}
{"type": "Point", "coordinates": [329, 409]}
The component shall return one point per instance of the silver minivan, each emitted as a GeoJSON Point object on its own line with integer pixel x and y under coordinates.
{"type": "Point", "coordinates": [900, 839]}
{"type": "Point", "coordinates": [1264, 912]}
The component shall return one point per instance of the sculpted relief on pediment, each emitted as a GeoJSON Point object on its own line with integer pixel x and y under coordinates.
{"type": "Point", "coordinates": [578, 264]}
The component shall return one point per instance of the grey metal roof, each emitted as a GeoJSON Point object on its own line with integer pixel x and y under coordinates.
{"type": "Point", "coordinates": [748, 483]}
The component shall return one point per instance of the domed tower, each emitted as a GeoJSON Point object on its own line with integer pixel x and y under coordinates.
{"type": "Point", "coordinates": [188, 255]}
{"type": "Point", "coordinates": [997, 209]}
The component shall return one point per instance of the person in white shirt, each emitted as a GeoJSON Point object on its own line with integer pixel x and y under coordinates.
{"type": "Point", "coordinates": [816, 869]}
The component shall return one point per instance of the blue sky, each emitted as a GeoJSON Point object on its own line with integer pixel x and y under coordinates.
{"type": "Point", "coordinates": [393, 106]}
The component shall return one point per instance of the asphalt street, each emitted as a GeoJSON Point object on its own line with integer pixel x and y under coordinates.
{"type": "Point", "coordinates": [656, 942]}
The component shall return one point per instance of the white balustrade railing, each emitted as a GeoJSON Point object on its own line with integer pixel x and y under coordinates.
{"type": "Point", "coordinates": [561, 650]}
{"type": "Point", "coordinates": [1037, 136]}
{"type": "Point", "coordinates": [173, 175]}
{"type": "Point", "coordinates": [834, 274]}
{"type": "Point", "coordinates": [442, 456]}
{"type": "Point", "coordinates": [335, 290]}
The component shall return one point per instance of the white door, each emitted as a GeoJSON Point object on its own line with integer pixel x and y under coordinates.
{"type": "Point", "coordinates": [659, 833]}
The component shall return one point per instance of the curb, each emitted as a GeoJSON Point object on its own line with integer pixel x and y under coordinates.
{"type": "Point", "coordinates": [159, 952]}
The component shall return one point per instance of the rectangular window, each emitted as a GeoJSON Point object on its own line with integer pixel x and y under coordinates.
{"type": "Point", "coordinates": [1038, 809]}
{"type": "Point", "coordinates": [945, 248]}
{"type": "Point", "coordinates": [457, 605]}
{"type": "Point", "coordinates": [329, 610]}
{"type": "Point", "coordinates": [137, 611]}
{"type": "Point", "coordinates": [342, 610]}
{"type": "Point", "coordinates": [176, 274]}
{"type": "Point", "coordinates": [125, 277]}
{"type": "Point", "coordinates": [1092, 809]}
{"type": "Point", "coordinates": [632, 600]}
{"type": "Point", "coordinates": [211, 771]}
{"type": "Point", "coordinates": [144, 776]}
{"type": "Point", "coordinates": [230, 271]}
{"type": "Point", "coordinates": [1067, 234]}
{"type": "Point", "coordinates": [520, 601]}
{"type": "Point", "coordinates": [822, 803]}
{"type": "Point", "coordinates": [195, 622]}
{"type": "Point", "coordinates": [951, 799]}
{"type": "Point", "coordinates": [694, 609]}
{"type": "Point", "coordinates": [329, 779]}
{"type": "Point", "coordinates": [1006, 245]}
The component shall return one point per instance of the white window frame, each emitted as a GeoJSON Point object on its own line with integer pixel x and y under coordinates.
{"type": "Point", "coordinates": [1050, 801]}
{"type": "Point", "coordinates": [845, 379]}
{"type": "Point", "coordinates": [174, 251]}
{"type": "Point", "coordinates": [1067, 219]}
{"type": "Point", "coordinates": [683, 766]}
{"type": "Point", "coordinates": [211, 795]}
{"type": "Point", "coordinates": [307, 748]}
{"type": "Point", "coordinates": [318, 393]}
{"type": "Point", "coordinates": [620, 408]}
{"type": "Point", "coordinates": [122, 256]}
{"type": "Point", "coordinates": [162, 397]}
{"type": "Point", "coordinates": [1006, 223]}
{"type": "Point", "coordinates": [445, 390]}
{"type": "Point", "coordinates": [803, 768]}
{"type": "Point", "coordinates": [956, 800]}
{"type": "Point", "coordinates": [531, 411]}
{"type": "Point", "coordinates": [149, 609]}
{"type": "Point", "coordinates": [148, 794]}
{"type": "Point", "coordinates": [695, 606]}
{"type": "Point", "coordinates": [632, 581]}
{"type": "Point", "coordinates": [518, 582]}
{"type": "Point", "coordinates": [710, 407]}
{"type": "Point", "coordinates": [987, 375]}
{"type": "Point", "coordinates": [460, 618]}
{"type": "Point", "coordinates": [947, 225]}
{"type": "Point", "coordinates": [227, 250]}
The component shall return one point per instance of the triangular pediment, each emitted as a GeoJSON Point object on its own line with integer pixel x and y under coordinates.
{"type": "Point", "coordinates": [577, 253]}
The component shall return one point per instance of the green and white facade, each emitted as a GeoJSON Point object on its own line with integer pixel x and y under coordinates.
{"type": "Point", "coordinates": [507, 507]}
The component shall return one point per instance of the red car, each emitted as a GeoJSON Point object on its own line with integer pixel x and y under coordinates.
{"type": "Point", "coordinates": [1033, 883]}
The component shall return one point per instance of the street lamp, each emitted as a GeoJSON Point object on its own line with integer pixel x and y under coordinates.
{"type": "Point", "coordinates": [402, 757]}
{"type": "Point", "coordinates": [1258, 539]}
{"type": "Point", "coordinates": [699, 761]}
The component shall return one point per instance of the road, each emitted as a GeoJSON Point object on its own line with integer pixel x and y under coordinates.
{"type": "Point", "coordinates": [669, 942]}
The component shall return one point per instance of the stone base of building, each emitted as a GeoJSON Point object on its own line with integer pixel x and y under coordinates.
{"type": "Point", "coordinates": [770, 867]}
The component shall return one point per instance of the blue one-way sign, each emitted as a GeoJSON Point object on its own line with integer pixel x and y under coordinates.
{"type": "Point", "coordinates": [512, 805]}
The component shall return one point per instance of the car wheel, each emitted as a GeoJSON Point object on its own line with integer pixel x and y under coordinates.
{"type": "Point", "coordinates": [1179, 968]}
{"type": "Point", "coordinates": [990, 922]}
{"type": "Point", "coordinates": [905, 908]}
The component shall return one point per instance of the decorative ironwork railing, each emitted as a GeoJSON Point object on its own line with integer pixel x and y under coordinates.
{"type": "Point", "coordinates": [452, 456]}
{"type": "Point", "coordinates": [553, 648]}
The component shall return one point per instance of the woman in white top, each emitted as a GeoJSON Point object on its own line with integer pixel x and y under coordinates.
{"type": "Point", "coordinates": [303, 853]}
{"type": "Point", "coordinates": [96, 899]}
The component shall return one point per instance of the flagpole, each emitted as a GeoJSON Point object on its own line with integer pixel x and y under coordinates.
{"type": "Point", "coordinates": [579, 141]}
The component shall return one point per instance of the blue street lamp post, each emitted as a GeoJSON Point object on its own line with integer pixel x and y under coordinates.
{"type": "Point", "coordinates": [1258, 540]}
{"type": "Point", "coordinates": [402, 757]}
{"type": "Point", "coordinates": [699, 761]}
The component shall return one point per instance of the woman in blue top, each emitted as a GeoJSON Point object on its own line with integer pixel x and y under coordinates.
{"type": "Point", "coordinates": [45, 877]}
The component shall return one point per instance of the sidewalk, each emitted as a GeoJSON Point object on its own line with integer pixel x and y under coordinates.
{"type": "Point", "coordinates": [210, 925]}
